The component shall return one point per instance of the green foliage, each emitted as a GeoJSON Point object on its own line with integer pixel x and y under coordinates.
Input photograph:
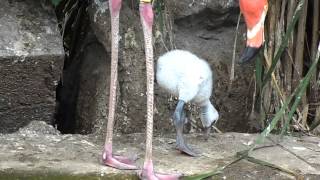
{"type": "Point", "coordinates": [55, 2]}
{"type": "Point", "coordinates": [159, 7]}
{"type": "Point", "coordinates": [300, 89]}
{"type": "Point", "coordinates": [284, 41]}
{"type": "Point", "coordinates": [203, 176]}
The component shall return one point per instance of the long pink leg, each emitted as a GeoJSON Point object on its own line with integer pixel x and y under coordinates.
{"type": "Point", "coordinates": [118, 162]}
{"type": "Point", "coordinates": [146, 15]}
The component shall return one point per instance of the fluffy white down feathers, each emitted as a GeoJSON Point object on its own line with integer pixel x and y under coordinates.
{"type": "Point", "coordinates": [190, 78]}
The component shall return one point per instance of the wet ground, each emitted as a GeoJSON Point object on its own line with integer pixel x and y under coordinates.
{"type": "Point", "coordinates": [38, 151]}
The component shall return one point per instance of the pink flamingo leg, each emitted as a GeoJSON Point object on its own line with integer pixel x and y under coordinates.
{"type": "Point", "coordinates": [146, 15]}
{"type": "Point", "coordinates": [108, 158]}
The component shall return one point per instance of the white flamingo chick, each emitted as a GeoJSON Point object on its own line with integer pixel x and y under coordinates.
{"type": "Point", "coordinates": [185, 75]}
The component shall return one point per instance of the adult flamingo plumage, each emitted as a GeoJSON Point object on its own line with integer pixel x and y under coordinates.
{"type": "Point", "coordinates": [120, 162]}
{"type": "Point", "coordinates": [254, 12]}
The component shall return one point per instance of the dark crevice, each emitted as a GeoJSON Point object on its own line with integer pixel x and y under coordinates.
{"type": "Point", "coordinates": [74, 24]}
{"type": "Point", "coordinates": [209, 19]}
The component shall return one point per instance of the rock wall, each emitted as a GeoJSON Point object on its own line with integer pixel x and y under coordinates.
{"type": "Point", "coordinates": [31, 60]}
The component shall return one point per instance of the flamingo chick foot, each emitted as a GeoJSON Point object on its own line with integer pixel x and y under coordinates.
{"type": "Point", "coordinates": [149, 174]}
{"type": "Point", "coordinates": [118, 162]}
{"type": "Point", "coordinates": [184, 148]}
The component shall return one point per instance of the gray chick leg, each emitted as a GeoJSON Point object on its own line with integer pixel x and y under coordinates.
{"type": "Point", "coordinates": [179, 119]}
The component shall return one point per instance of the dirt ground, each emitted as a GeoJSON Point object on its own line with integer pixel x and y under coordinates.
{"type": "Point", "coordinates": [40, 150]}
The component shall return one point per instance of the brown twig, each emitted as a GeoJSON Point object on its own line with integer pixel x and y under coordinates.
{"type": "Point", "coordinates": [234, 53]}
{"type": "Point", "coordinates": [314, 87]}
{"type": "Point", "coordinates": [297, 75]}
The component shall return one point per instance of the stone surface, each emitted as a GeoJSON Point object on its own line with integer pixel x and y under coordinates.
{"type": "Point", "coordinates": [39, 149]}
{"type": "Point", "coordinates": [31, 60]}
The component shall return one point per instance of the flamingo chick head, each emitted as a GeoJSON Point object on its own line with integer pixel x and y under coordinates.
{"type": "Point", "coordinates": [209, 115]}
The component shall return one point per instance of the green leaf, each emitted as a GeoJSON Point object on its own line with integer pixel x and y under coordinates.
{"type": "Point", "coordinates": [284, 41]}
{"type": "Point", "coordinates": [298, 93]}
{"type": "Point", "coordinates": [204, 175]}
{"type": "Point", "coordinates": [303, 86]}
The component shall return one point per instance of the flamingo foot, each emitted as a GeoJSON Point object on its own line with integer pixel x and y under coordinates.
{"type": "Point", "coordinates": [149, 174]}
{"type": "Point", "coordinates": [118, 162]}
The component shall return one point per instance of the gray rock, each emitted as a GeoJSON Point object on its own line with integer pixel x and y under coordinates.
{"type": "Point", "coordinates": [31, 60]}
{"type": "Point", "coordinates": [38, 128]}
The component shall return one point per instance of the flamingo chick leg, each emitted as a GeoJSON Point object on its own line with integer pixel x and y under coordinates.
{"type": "Point", "coordinates": [108, 158]}
{"type": "Point", "coordinates": [146, 16]}
{"type": "Point", "coordinates": [179, 121]}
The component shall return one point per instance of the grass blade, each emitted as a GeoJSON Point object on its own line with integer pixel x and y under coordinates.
{"type": "Point", "coordinates": [284, 41]}
{"type": "Point", "coordinates": [304, 84]}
